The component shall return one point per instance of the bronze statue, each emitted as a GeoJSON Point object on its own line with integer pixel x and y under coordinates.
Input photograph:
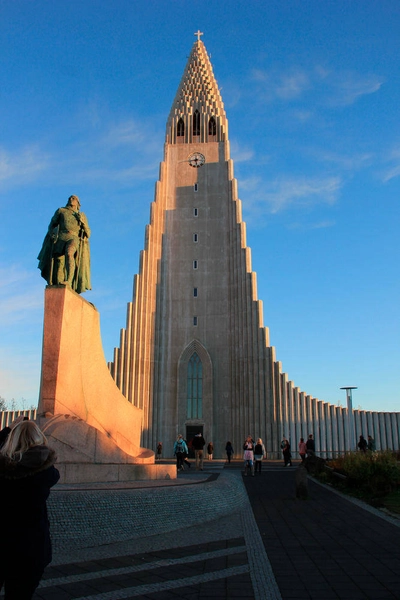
{"type": "Point", "coordinates": [65, 255]}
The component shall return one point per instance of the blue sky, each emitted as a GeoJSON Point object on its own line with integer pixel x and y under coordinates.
{"type": "Point", "coordinates": [311, 90]}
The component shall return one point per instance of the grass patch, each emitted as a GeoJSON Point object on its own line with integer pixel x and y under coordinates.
{"type": "Point", "coordinates": [392, 501]}
{"type": "Point", "coordinates": [372, 476]}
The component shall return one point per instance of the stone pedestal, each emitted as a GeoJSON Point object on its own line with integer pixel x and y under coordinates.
{"type": "Point", "coordinates": [94, 429]}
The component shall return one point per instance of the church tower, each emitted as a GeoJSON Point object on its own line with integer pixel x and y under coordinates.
{"type": "Point", "coordinates": [194, 354]}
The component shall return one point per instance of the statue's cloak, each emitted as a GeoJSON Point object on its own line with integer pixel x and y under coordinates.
{"type": "Point", "coordinates": [81, 279]}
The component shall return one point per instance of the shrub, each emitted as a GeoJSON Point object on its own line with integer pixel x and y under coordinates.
{"type": "Point", "coordinates": [375, 473]}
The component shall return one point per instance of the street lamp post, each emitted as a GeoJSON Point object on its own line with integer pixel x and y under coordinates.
{"type": "Point", "coordinates": [350, 416]}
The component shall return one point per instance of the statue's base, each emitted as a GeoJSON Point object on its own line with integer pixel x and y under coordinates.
{"type": "Point", "coordinates": [86, 455]}
{"type": "Point", "coordinates": [92, 427]}
{"type": "Point", "coordinates": [75, 379]}
{"type": "Point", "coordinates": [76, 473]}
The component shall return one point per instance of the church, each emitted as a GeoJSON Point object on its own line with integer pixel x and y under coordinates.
{"type": "Point", "coordinates": [195, 355]}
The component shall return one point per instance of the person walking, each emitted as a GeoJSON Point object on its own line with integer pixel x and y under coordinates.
{"type": "Point", "coordinates": [159, 451]}
{"type": "Point", "coordinates": [259, 454]}
{"type": "Point", "coordinates": [27, 473]}
{"type": "Point", "coordinates": [186, 461]}
{"type": "Point", "coordinates": [248, 455]}
{"type": "Point", "coordinates": [362, 444]}
{"type": "Point", "coordinates": [287, 455]}
{"type": "Point", "coordinates": [210, 450]}
{"type": "Point", "coordinates": [310, 443]}
{"type": "Point", "coordinates": [180, 448]}
{"type": "Point", "coordinates": [371, 444]}
{"type": "Point", "coordinates": [185, 458]}
{"type": "Point", "coordinates": [302, 449]}
{"type": "Point", "coordinates": [229, 451]}
{"type": "Point", "coordinates": [198, 444]}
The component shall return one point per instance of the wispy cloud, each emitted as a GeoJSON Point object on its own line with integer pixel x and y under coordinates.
{"type": "Point", "coordinates": [348, 87]}
{"type": "Point", "coordinates": [292, 85]}
{"type": "Point", "coordinates": [327, 88]}
{"type": "Point", "coordinates": [126, 132]}
{"type": "Point", "coordinates": [21, 294]}
{"type": "Point", "coordinates": [310, 225]}
{"type": "Point", "coordinates": [105, 153]}
{"type": "Point", "coordinates": [99, 173]}
{"type": "Point", "coordinates": [391, 173]}
{"type": "Point", "coordinates": [23, 165]}
{"type": "Point", "coordinates": [231, 92]}
{"type": "Point", "coordinates": [289, 193]}
{"type": "Point", "coordinates": [347, 162]}
{"type": "Point", "coordinates": [393, 170]}
{"type": "Point", "coordinates": [241, 153]}
{"type": "Point", "coordinates": [302, 115]}
{"type": "Point", "coordinates": [251, 184]}
{"type": "Point", "coordinates": [286, 86]}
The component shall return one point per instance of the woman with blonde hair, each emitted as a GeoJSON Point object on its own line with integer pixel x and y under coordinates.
{"type": "Point", "coordinates": [259, 454]}
{"type": "Point", "coordinates": [27, 473]}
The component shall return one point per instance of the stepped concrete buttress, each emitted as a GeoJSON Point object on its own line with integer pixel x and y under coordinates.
{"type": "Point", "coordinates": [91, 425]}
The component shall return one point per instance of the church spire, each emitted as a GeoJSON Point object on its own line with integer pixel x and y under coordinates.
{"type": "Point", "coordinates": [197, 114]}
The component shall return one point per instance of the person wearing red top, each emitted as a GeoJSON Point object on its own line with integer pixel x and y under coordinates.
{"type": "Point", "coordinates": [302, 449]}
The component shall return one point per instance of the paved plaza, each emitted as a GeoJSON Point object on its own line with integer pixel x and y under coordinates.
{"type": "Point", "coordinates": [216, 534]}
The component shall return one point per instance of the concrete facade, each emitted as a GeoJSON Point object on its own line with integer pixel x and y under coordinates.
{"type": "Point", "coordinates": [194, 353]}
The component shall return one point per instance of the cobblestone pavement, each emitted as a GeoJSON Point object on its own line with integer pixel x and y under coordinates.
{"type": "Point", "coordinates": [195, 538]}
{"type": "Point", "coordinates": [216, 535]}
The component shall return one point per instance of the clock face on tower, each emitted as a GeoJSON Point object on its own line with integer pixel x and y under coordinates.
{"type": "Point", "coordinates": [196, 159]}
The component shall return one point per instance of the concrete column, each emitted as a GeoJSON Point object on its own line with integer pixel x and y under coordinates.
{"type": "Point", "coordinates": [389, 433]}
{"type": "Point", "coordinates": [334, 438]}
{"type": "Point", "coordinates": [370, 424]}
{"type": "Point", "coordinates": [342, 418]}
{"type": "Point", "coordinates": [351, 435]}
{"type": "Point", "coordinates": [376, 430]}
{"type": "Point", "coordinates": [315, 428]}
{"type": "Point", "coordinates": [323, 428]}
{"type": "Point", "coordinates": [382, 431]}
{"type": "Point", "coordinates": [395, 431]}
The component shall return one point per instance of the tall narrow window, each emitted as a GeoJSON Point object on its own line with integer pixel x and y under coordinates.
{"type": "Point", "coordinates": [195, 321]}
{"type": "Point", "coordinates": [196, 187]}
{"type": "Point", "coordinates": [212, 127]}
{"type": "Point", "coordinates": [195, 292]}
{"type": "Point", "coordinates": [195, 237]}
{"type": "Point", "coordinates": [195, 264]}
{"type": "Point", "coordinates": [196, 123]}
{"type": "Point", "coordinates": [195, 388]}
{"type": "Point", "coordinates": [180, 129]}
{"type": "Point", "coordinates": [195, 212]}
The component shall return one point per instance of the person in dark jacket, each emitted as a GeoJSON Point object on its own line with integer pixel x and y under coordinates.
{"type": "Point", "coordinates": [287, 455]}
{"type": "Point", "coordinates": [229, 451]}
{"type": "Point", "coordinates": [27, 473]}
{"type": "Point", "coordinates": [159, 451]}
{"type": "Point", "coordinates": [198, 444]}
{"type": "Point", "coordinates": [362, 444]}
{"type": "Point", "coordinates": [310, 444]}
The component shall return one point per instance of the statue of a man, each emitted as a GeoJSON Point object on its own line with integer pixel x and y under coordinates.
{"type": "Point", "coordinates": [65, 255]}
